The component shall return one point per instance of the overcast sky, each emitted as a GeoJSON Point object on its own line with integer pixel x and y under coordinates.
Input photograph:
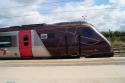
{"type": "Point", "coordinates": [103, 14]}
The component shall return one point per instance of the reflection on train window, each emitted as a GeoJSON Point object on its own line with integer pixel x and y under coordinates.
{"type": "Point", "coordinates": [86, 31]}
{"type": "Point", "coordinates": [26, 40]}
{"type": "Point", "coordinates": [5, 41]}
{"type": "Point", "coordinates": [86, 40]}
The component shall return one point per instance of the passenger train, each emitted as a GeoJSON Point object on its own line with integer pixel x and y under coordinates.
{"type": "Point", "coordinates": [61, 40]}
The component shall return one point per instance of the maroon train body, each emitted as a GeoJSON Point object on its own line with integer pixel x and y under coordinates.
{"type": "Point", "coordinates": [53, 41]}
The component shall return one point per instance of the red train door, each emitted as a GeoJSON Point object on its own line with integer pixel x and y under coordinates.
{"type": "Point", "coordinates": [25, 45]}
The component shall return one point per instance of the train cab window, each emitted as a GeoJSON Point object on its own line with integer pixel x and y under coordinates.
{"type": "Point", "coordinates": [86, 40]}
{"type": "Point", "coordinates": [5, 41]}
{"type": "Point", "coordinates": [87, 32]}
{"type": "Point", "coordinates": [26, 40]}
{"type": "Point", "coordinates": [87, 35]}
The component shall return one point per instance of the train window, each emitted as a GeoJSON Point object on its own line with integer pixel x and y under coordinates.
{"type": "Point", "coordinates": [86, 31]}
{"type": "Point", "coordinates": [5, 41]}
{"type": "Point", "coordinates": [26, 40]}
{"type": "Point", "coordinates": [88, 35]}
{"type": "Point", "coordinates": [86, 40]}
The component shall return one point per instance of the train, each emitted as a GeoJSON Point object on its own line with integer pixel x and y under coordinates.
{"type": "Point", "coordinates": [59, 40]}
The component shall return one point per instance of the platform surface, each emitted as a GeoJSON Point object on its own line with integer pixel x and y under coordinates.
{"type": "Point", "coordinates": [105, 70]}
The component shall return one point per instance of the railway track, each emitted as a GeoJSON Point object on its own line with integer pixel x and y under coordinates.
{"type": "Point", "coordinates": [119, 52]}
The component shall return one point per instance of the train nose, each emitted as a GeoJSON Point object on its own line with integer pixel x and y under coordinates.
{"type": "Point", "coordinates": [105, 50]}
{"type": "Point", "coordinates": [109, 52]}
{"type": "Point", "coordinates": [102, 49]}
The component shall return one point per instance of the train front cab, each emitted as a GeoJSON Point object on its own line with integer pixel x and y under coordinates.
{"type": "Point", "coordinates": [92, 43]}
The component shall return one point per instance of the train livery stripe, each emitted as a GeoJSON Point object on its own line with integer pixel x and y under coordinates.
{"type": "Point", "coordinates": [25, 44]}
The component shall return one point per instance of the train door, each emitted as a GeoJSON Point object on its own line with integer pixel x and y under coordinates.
{"type": "Point", "coordinates": [25, 44]}
{"type": "Point", "coordinates": [71, 43]}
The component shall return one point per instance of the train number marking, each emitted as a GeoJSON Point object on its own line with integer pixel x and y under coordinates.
{"type": "Point", "coordinates": [44, 36]}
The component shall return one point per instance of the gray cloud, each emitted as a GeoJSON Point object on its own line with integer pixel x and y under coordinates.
{"type": "Point", "coordinates": [19, 12]}
{"type": "Point", "coordinates": [104, 17]}
{"type": "Point", "coordinates": [99, 15]}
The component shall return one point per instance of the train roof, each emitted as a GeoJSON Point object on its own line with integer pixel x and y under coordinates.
{"type": "Point", "coordinates": [46, 26]}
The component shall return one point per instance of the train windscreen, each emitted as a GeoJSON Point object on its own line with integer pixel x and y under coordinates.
{"type": "Point", "coordinates": [5, 41]}
{"type": "Point", "coordinates": [89, 36]}
{"type": "Point", "coordinates": [87, 32]}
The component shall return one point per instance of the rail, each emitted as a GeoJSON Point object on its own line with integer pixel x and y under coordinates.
{"type": "Point", "coordinates": [119, 51]}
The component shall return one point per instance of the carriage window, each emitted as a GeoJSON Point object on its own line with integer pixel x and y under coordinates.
{"type": "Point", "coordinates": [5, 41]}
{"type": "Point", "coordinates": [26, 40]}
